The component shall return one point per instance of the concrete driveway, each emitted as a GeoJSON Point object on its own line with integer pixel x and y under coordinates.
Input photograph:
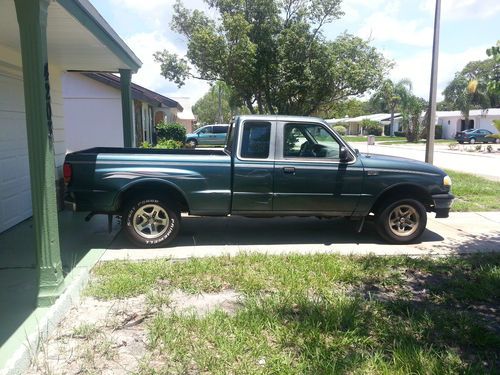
{"type": "Point", "coordinates": [201, 236]}
{"type": "Point", "coordinates": [482, 164]}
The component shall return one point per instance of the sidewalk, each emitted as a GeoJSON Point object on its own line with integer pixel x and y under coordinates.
{"type": "Point", "coordinates": [461, 233]}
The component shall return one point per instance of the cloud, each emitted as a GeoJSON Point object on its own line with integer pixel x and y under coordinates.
{"type": "Point", "coordinates": [418, 68]}
{"type": "Point", "coordinates": [463, 9]}
{"type": "Point", "coordinates": [145, 45]}
{"type": "Point", "coordinates": [385, 26]}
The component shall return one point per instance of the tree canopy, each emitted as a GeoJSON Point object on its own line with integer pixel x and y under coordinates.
{"type": "Point", "coordinates": [469, 87]}
{"type": "Point", "coordinates": [273, 54]}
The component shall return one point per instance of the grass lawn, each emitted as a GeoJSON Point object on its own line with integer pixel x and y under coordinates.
{"type": "Point", "coordinates": [474, 193]}
{"type": "Point", "coordinates": [318, 314]}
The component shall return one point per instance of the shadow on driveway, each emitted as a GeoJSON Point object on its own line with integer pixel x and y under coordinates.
{"type": "Point", "coordinates": [240, 231]}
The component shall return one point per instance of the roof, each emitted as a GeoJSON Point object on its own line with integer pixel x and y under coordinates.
{"type": "Point", "coordinates": [373, 117]}
{"type": "Point", "coordinates": [472, 112]}
{"type": "Point", "coordinates": [85, 12]}
{"type": "Point", "coordinates": [77, 37]}
{"type": "Point", "coordinates": [138, 92]}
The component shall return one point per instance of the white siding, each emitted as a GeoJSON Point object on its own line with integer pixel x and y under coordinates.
{"type": "Point", "coordinates": [93, 115]}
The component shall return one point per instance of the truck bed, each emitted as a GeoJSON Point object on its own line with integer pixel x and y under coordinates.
{"type": "Point", "coordinates": [101, 175]}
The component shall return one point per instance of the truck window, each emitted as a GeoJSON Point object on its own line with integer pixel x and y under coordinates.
{"type": "Point", "coordinates": [309, 141]}
{"type": "Point", "coordinates": [255, 140]}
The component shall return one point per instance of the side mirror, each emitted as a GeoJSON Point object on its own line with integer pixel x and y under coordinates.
{"type": "Point", "coordinates": [344, 155]}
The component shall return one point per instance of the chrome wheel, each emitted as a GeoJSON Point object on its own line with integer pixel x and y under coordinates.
{"type": "Point", "coordinates": [403, 220]}
{"type": "Point", "coordinates": [151, 221]}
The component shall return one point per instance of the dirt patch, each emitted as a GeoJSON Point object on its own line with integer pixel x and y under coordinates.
{"type": "Point", "coordinates": [110, 337]}
{"type": "Point", "coordinates": [205, 303]}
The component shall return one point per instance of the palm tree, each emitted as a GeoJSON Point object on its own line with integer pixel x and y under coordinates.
{"type": "Point", "coordinates": [411, 111]}
{"type": "Point", "coordinates": [466, 92]}
{"type": "Point", "coordinates": [390, 95]}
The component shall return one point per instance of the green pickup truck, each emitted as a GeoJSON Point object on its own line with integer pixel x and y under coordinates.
{"type": "Point", "coordinates": [271, 166]}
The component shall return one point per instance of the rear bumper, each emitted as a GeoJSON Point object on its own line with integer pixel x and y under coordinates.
{"type": "Point", "coordinates": [442, 204]}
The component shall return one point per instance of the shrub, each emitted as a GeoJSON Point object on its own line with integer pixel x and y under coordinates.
{"type": "Point", "coordinates": [146, 144]}
{"type": "Point", "coordinates": [400, 134]}
{"type": "Point", "coordinates": [371, 127]}
{"type": "Point", "coordinates": [169, 144]}
{"type": "Point", "coordinates": [171, 131]}
{"type": "Point", "coordinates": [340, 129]}
{"type": "Point", "coordinates": [496, 136]}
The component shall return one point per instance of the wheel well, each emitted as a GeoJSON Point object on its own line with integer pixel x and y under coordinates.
{"type": "Point", "coordinates": [154, 188]}
{"type": "Point", "coordinates": [403, 191]}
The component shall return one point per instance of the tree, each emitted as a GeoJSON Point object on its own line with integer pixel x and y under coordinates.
{"type": "Point", "coordinates": [411, 113]}
{"type": "Point", "coordinates": [351, 108]}
{"type": "Point", "coordinates": [206, 108]}
{"type": "Point", "coordinates": [493, 80]}
{"type": "Point", "coordinates": [390, 95]}
{"type": "Point", "coordinates": [273, 55]}
{"type": "Point", "coordinates": [469, 88]}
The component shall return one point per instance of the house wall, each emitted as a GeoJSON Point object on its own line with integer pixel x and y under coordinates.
{"type": "Point", "coordinates": [15, 189]}
{"type": "Point", "coordinates": [93, 113]}
{"type": "Point", "coordinates": [487, 123]}
{"type": "Point", "coordinates": [451, 125]}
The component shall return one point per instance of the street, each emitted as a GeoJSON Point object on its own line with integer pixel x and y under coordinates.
{"type": "Point", "coordinates": [481, 164]}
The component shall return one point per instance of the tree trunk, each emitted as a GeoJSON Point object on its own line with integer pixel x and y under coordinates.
{"type": "Point", "coordinates": [249, 105]}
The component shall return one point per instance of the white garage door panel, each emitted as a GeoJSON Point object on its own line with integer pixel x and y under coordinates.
{"type": "Point", "coordinates": [15, 193]}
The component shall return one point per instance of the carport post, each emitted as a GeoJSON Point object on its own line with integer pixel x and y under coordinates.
{"type": "Point", "coordinates": [125, 83]}
{"type": "Point", "coordinates": [32, 20]}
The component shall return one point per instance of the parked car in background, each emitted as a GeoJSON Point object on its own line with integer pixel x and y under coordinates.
{"type": "Point", "coordinates": [208, 135]}
{"type": "Point", "coordinates": [476, 135]}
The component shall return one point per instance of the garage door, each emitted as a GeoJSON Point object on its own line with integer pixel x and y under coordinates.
{"type": "Point", "coordinates": [15, 195]}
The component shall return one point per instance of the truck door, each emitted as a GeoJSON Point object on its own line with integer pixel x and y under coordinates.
{"type": "Point", "coordinates": [309, 177]}
{"type": "Point", "coordinates": [253, 169]}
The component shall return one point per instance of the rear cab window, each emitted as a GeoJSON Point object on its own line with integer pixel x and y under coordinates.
{"type": "Point", "coordinates": [255, 140]}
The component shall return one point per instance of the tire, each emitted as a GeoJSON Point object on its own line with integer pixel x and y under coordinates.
{"type": "Point", "coordinates": [400, 231]}
{"type": "Point", "coordinates": [472, 141]}
{"type": "Point", "coordinates": [461, 142]}
{"type": "Point", "coordinates": [192, 142]}
{"type": "Point", "coordinates": [150, 221]}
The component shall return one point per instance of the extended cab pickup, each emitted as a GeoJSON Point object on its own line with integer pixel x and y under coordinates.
{"type": "Point", "coordinates": [271, 166]}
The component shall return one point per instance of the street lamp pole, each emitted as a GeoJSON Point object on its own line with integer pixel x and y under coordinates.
{"type": "Point", "coordinates": [429, 147]}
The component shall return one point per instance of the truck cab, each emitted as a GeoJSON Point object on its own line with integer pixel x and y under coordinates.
{"type": "Point", "coordinates": [287, 166]}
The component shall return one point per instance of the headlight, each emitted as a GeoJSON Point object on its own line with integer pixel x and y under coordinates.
{"type": "Point", "coordinates": [446, 181]}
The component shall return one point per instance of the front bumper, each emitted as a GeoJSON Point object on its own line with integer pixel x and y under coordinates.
{"type": "Point", "coordinates": [442, 204]}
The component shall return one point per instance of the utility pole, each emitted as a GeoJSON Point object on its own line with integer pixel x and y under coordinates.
{"type": "Point", "coordinates": [429, 147]}
{"type": "Point", "coordinates": [221, 120]}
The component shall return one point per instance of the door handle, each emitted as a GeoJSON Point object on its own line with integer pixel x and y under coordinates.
{"type": "Point", "coordinates": [289, 170]}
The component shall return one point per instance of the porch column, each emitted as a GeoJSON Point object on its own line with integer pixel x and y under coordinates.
{"type": "Point", "coordinates": [32, 19]}
{"type": "Point", "coordinates": [125, 83]}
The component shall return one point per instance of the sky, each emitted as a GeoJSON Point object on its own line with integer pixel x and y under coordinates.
{"type": "Point", "coordinates": [401, 29]}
